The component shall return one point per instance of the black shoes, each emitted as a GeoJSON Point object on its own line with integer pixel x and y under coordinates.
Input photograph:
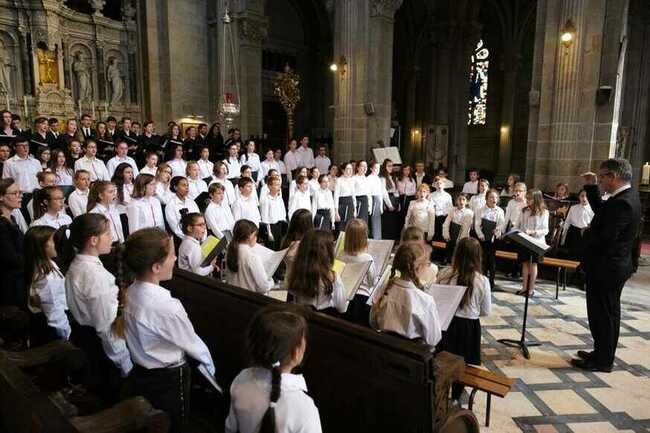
{"type": "Point", "coordinates": [589, 365]}
{"type": "Point", "coordinates": [583, 354]}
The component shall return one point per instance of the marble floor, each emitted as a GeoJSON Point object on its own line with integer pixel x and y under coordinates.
{"type": "Point", "coordinates": [549, 395]}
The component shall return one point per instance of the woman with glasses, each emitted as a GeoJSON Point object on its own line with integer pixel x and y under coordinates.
{"type": "Point", "coordinates": [12, 283]}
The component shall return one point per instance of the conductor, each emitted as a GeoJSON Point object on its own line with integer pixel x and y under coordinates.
{"type": "Point", "coordinates": [608, 258]}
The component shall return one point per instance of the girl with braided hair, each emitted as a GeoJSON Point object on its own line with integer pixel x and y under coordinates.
{"type": "Point", "coordinates": [405, 308]}
{"type": "Point", "coordinates": [268, 397]}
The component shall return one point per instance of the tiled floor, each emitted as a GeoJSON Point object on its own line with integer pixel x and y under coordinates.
{"type": "Point", "coordinates": [550, 396]}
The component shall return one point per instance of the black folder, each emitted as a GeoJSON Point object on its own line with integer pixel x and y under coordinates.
{"type": "Point", "coordinates": [488, 227]}
{"type": "Point", "coordinates": [211, 248]}
{"type": "Point", "coordinates": [454, 231]}
{"type": "Point", "coordinates": [529, 243]}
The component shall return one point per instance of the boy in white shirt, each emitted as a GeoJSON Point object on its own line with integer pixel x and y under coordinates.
{"type": "Point", "coordinates": [301, 198]}
{"type": "Point", "coordinates": [245, 206]}
{"type": "Point", "coordinates": [206, 166]}
{"type": "Point", "coordinates": [91, 164]}
{"type": "Point", "coordinates": [322, 161]}
{"type": "Point", "coordinates": [195, 182]}
{"type": "Point", "coordinates": [218, 215]}
{"type": "Point", "coordinates": [151, 164]}
{"type": "Point", "coordinates": [274, 214]}
{"type": "Point", "coordinates": [78, 199]}
{"type": "Point", "coordinates": [121, 150]}
{"type": "Point", "coordinates": [471, 187]}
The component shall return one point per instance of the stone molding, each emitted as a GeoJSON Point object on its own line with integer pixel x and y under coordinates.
{"type": "Point", "coordinates": [253, 29]}
{"type": "Point", "coordinates": [384, 8]}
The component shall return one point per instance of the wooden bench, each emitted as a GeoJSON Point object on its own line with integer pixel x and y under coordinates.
{"type": "Point", "coordinates": [562, 265]}
{"type": "Point", "coordinates": [27, 408]}
{"type": "Point", "coordinates": [488, 382]}
{"type": "Point", "coordinates": [361, 380]}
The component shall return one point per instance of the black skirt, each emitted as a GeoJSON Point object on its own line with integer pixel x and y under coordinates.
{"type": "Point", "coordinates": [40, 332]}
{"type": "Point", "coordinates": [463, 338]}
{"type": "Point", "coordinates": [363, 207]}
{"type": "Point", "coordinates": [346, 211]}
{"type": "Point", "coordinates": [323, 219]}
{"type": "Point", "coordinates": [390, 221]}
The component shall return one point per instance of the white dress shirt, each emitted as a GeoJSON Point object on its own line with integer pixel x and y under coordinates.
{"type": "Point", "coordinates": [361, 188]}
{"type": "Point", "coordinates": [206, 167]}
{"type": "Point", "coordinates": [173, 213]}
{"type": "Point", "coordinates": [534, 225]}
{"type": "Point", "coordinates": [190, 257]}
{"type": "Point", "coordinates": [78, 202]}
{"type": "Point", "coordinates": [305, 156]}
{"type": "Point", "coordinates": [149, 170]}
{"type": "Point", "coordinates": [282, 167]}
{"type": "Point", "coordinates": [494, 214]}
{"type": "Point", "coordinates": [229, 189]}
{"type": "Point", "coordinates": [579, 216]}
{"type": "Point", "coordinates": [272, 209]}
{"type": "Point", "coordinates": [291, 162]}
{"type": "Point", "coordinates": [127, 191]}
{"type": "Point", "coordinates": [250, 396]}
{"type": "Point", "coordinates": [323, 199]}
{"type": "Point", "coordinates": [407, 311]}
{"type": "Point", "coordinates": [50, 292]}
{"type": "Point", "coordinates": [406, 186]}
{"type": "Point", "coordinates": [234, 168]}
{"type": "Point", "coordinates": [422, 214]}
{"type": "Point", "coordinates": [196, 187]}
{"type": "Point", "coordinates": [252, 160]}
{"type": "Point", "coordinates": [246, 208]}
{"type": "Point", "coordinates": [442, 202]}
{"type": "Point", "coordinates": [251, 274]}
{"type": "Point", "coordinates": [55, 221]}
{"type": "Point", "coordinates": [345, 187]}
{"type": "Point", "coordinates": [463, 217]}
{"type": "Point", "coordinates": [447, 183]}
{"type": "Point", "coordinates": [266, 166]}
{"type": "Point", "coordinates": [92, 298]}
{"type": "Point", "coordinates": [299, 200]}
{"type": "Point", "coordinates": [144, 212]}
{"type": "Point", "coordinates": [112, 164]}
{"type": "Point", "coordinates": [218, 218]}
{"type": "Point", "coordinates": [94, 166]}
{"type": "Point", "coordinates": [480, 303]}
{"type": "Point", "coordinates": [371, 279]}
{"type": "Point", "coordinates": [163, 193]}
{"type": "Point", "coordinates": [322, 163]}
{"type": "Point", "coordinates": [64, 177]}
{"type": "Point", "coordinates": [337, 299]}
{"type": "Point", "coordinates": [20, 220]}
{"type": "Point", "coordinates": [470, 187]}
{"type": "Point", "coordinates": [513, 213]}
{"type": "Point", "coordinates": [178, 167]}
{"type": "Point", "coordinates": [158, 331]}
{"type": "Point", "coordinates": [477, 202]}
{"type": "Point", "coordinates": [23, 171]}
{"type": "Point", "coordinates": [113, 217]}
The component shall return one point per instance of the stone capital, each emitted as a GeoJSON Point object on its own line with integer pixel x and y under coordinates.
{"type": "Point", "coordinates": [253, 29]}
{"type": "Point", "coordinates": [384, 8]}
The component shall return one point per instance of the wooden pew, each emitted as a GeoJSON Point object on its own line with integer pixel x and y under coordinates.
{"type": "Point", "coordinates": [488, 382]}
{"type": "Point", "coordinates": [360, 380]}
{"type": "Point", "coordinates": [26, 408]}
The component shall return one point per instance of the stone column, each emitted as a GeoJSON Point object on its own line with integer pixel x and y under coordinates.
{"type": "Point", "coordinates": [571, 131]}
{"type": "Point", "coordinates": [363, 34]}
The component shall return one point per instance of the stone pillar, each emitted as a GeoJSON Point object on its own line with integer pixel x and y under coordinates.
{"type": "Point", "coordinates": [571, 131]}
{"type": "Point", "coordinates": [363, 34]}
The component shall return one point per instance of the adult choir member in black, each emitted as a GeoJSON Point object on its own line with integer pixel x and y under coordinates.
{"type": "Point", "coordinates": [53, 131]}
{"type": "Point", "coordinates": [608, 258]}
{"type": "Point", "coordinates": [6, 128]}
{"type": "Point", "coordinates": [190, 143]}
{"type": "Point", "coordinates": [87, 127]}
{"type": "Point", "coordinates": [149, 141]}
{"type": "Point", "coordinates": [12, 283]}
{"type": "Point", "coordinates": [214, 141]}
{"type": "Point", "coordinates": [39, 139]}
{"type": "Point", "coordinates": [128, 136]}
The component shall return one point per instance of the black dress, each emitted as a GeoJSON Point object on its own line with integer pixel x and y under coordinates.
{"type": "Point", "coordinates": [12, 283]}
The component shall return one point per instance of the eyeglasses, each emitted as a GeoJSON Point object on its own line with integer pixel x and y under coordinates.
{"type": "Point", "coordinates": [15, 193]}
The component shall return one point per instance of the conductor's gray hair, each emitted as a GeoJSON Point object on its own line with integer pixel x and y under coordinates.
{"type": "Point", "coordinates": [619, 167]}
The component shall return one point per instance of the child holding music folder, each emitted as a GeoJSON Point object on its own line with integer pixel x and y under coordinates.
{"type": "Point", "coordinates": [533, 222]}
{"type": "Point", "coordinates": [421, 212]}
{"type": "Point", "coordinates": [312, 281]}
{"type": "Point", "coordinates": [273, 213]}
{"type": "Point", "coordinates": [301, 222]}
{"type": "Point", "coordinates": [488, 223]}
{"type": "Point", "coordinates": [157, 330]}
{"type": "Point", "coordinates": [355, 249]}
{"type": "Point", "coordinates": [457, 224]}
{"type": "Point", "coordinates": [190, 257]}
{"type": "Point", "coordinates": [244, 268]}
{"type": "Point", "coordinates": [322, 206]}
{"type": "Point", "coordinates": [301, 198]}
{"type": "Point", "coordinates": [268, 397]}
{"type": "Point", "coordinates": [463, 337]}
{"type": "Point", "coordinates": [218, 215]}
{"type": "Point", "coordinates": [404, 307]}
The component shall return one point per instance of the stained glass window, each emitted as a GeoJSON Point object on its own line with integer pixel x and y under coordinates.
{"type": "Point", "coordinates": [478, 85]}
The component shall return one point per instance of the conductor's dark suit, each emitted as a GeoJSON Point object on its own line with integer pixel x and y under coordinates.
{"type": "Point", "coordinates": [608, 265]}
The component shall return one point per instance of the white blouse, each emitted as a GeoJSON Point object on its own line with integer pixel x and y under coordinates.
{"type": "Point", "coordinates": [64, 177]}
{"type": "Point", "coordinates": [362, 187]}
{"type": "Point", "coordinates": [476, 202]}
{"type": "Point", "coordinates": [229, 189]}
{"type": "Point", "coordinates": [463, 217]}
{"type": "Point", "coordinates": [422, 214]}
{"type": "Point", "coordinates": [149, 170]}
{"type": "Point", "coordinates": [345, 187]}
{"type": "Point", "coordinates": [218, 218]}
{"type": "Point", "coordinates": [299, 200]}
{"type": "Point", "coordinates": [144, 212]}
{"type": "Point", "coordinates": [78, 202]}
{"type": "Point", "coordinates": [295, 410]}
{"type": "Point", "coordinates": [246, 208]}
{"type": "Point", "coordinates": [94, 166]}
{"type": "Point", "coordinates": [50, 293]}
{"type": "Point", "coordinates": [513, 212]}
{"type": "Point", "coordinates": [251, 274]}
{"type": "Point", "coordinates": [406, 186]}
{"type": "Point", "coordinates": [534, 225]}
{"type": "Point", "coordinates": [266, 166]}
{"type": "Point", "coordinates": [252, 160]}
{"type": "Point", "coordinates": [178, 167]}
{"type": "Point", "coordinates": [442, 202]}
{"type": "Point", "coordinates": [234, 168]}
{"type": "Point", "coordinates": [272, 209]}
{"type": "Point", "coordinates": [113, 217]}
{"type": "Point", "coordinates": [407, 311]}
{"type": "Point", "coordinates": [158, 332]}
{"type": "Point", "coordinates": [92, 295]}
{"type": "Point", "coordinates": [190, 257]}
{"type": "Point", "coordinates": [470, 187]}
{"type": "Point", "coordinates": [579, 216]}
{"type": "Point", "coordinates": [55, 221]}
{"type": "Point", "coordinates": [163, 193]}
{"type": "Point", "coordinates": [378, 190]}
{"type": "Point", "coordinates": [337, 299]}
{"type": "Point", "coordinates": [206, 168]}
{"type": "Point", "coordinates": [196, 187]}
{"type": "Point", "coordinates": [494, 214]}
{"type": "Point", "coordinates": [480, 302]}
{"type": "Point", "coordinates": [291, 159]}
{"type": "Point", "coordinates": [323, 199]}
{"type": "Point", "coordinates": [173, 213]}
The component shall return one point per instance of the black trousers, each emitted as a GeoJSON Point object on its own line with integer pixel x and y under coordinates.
{"type": "Point", "coordinates": [604, 314]}
{"type": "Point", "coordinates": [489, 260]}
{"type": "Point", "coordinates": [167, 389]}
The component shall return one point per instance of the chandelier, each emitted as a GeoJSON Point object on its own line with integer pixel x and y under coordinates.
{"type": "Point", "coordinates": [228, 106]}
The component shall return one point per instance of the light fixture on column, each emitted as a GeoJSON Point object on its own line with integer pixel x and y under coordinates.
{"type": "Point", "coordinates": [568, 34]}
{"type": "Point", "coordinates": [340, 66]}
{"type": "Point", "coordinates": [228, 107]}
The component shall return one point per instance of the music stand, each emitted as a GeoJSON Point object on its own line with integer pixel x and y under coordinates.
{"type": "Point", "coordinates": [533, 246]}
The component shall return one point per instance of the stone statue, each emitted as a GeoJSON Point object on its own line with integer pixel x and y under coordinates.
{"type": "Point", "coordinates": [81, 69]}
{"type": "Point", "coordinates": [114, 77]}
{"type": "Point", "coordinates": [5, 74]}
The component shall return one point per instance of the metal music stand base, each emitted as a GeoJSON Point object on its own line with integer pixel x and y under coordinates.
{"type": "Point", "coordinates": [521, 343]}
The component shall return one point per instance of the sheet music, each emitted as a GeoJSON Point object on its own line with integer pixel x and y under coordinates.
{"type": "Point", "coordinates": [537, 244]}
{"type": "Point", "coordinates": [447, 301]}
{"type": "Point", "coordinates": [204, 371]}
{"type": "Point", "coordinates": [271, 259]}
{"type": "Point", "coordinates": [380, 251]}
{"type": "Point", "coordinates": [340, 243]}
{"type": "Point", "coordinates": [210, 248]}
{"type": "Point", "coordinates": [382, 153]}
{"type": "Point", "coordinates": [351, 275]}
{"type": "Point", "coordinates": [280, 295]}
